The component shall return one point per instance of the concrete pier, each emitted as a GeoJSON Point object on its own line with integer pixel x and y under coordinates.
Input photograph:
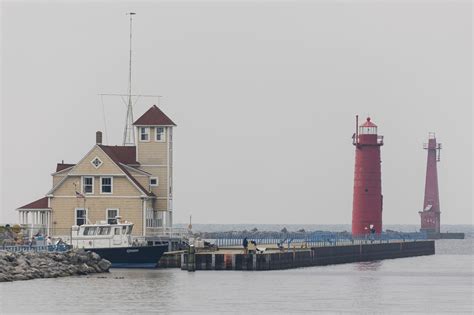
{"type": "Point", "coordinates": [316, 256]}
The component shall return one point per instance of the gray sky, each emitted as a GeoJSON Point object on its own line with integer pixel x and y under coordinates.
{"type": "Point", "coordinates": [264, 95]}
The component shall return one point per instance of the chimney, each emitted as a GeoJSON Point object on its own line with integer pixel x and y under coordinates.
{"type": "Point", "coordinates": [98, 137]}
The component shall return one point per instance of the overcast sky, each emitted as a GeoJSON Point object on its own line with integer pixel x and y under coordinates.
{"type": "Point", "coordinates": [264, 95]}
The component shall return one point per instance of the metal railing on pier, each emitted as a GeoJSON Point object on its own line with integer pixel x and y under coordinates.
{"type": "Point", "coordinates": [167, 232]}
{"type": "Point", "coordinates": [314, 239]}
{"type": "Point", "coordinates": [37, 248]}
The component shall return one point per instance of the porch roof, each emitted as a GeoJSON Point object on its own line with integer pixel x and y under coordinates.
{"type": "Point", "coordinates": [40, 204]}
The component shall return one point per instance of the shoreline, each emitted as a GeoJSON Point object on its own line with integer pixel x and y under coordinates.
{"type": "Point", "coordinates": [17, 266]}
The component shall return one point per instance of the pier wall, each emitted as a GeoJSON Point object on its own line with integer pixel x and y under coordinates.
{"type": "Point", "coordinates": [317, 256]}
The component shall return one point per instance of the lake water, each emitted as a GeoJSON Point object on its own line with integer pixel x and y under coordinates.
{"type": "Point", "coordinates": [442, 283]}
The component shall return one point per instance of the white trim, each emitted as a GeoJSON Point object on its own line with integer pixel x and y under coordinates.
{"type": "Point", "coordinates": [155, 125]}
{"type": "Point", "coordinates": [135, 169]}
{"type": "Point", "coordinates": [157, 182]}
{"type": "Point", "coordinates": [144, 217]}
{"type": "Point", "coordinates": [87, 154]}
{"type": "Point", "coordinates": [168, 174]}
{"type": "Point", "coordinates": [164, 134]}
{"type": "Point", "coordinates": [153, 165]}
{"type": "Point", "coordinates": [111, 185]}
{"type": "Point", "coordinates": [82, 185]}
{"type": "Point", "coordinates": [107, 213]}
{"type": "Point", "coordinates": [128, 177]}
{"type": "Point", "coordinates": [57, 185]}
{"type": "Point", "coordinates": [62, 180]}
{"type": "Point", "coordinates": [89, 174]}
{"type": "Point", "coordinates": [136, 141]}
{"type": "Point", "coordinates": [107, 196]}
{"type": "Point", "coordinates": [31, 210]}
{"type": "Point", "coordinates": [75, 215]}
{"type": "Point", "coordinates": [62, 171]}
{"type": "Point", "coordinates": [140, 134]}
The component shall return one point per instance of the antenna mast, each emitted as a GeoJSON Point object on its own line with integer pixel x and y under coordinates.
{"type": "Point", "coordinates": [129, 132]}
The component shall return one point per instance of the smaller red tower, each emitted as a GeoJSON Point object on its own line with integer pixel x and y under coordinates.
{"type": "Point", "coordinates": [367, 202]}
{"type": "Point", "coordinates": [430, 216]}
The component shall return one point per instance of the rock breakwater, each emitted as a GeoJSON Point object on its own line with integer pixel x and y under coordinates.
{"type": "Point", "coordinates": [33, 265]}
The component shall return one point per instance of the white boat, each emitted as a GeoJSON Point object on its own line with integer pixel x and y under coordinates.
{"type": "Point", "coordinates": [114, 242]}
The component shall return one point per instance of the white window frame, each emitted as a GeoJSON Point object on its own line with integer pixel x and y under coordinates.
{"type": "Point", "coordinates": [163, 135]}
{"type": "Point", "coordinates": [111, 185]}
{"type": "Point", "coordinates": [157, 182]}
{"type": "Point", "coordinates": [107, 213]}
{"type": "Point", "coordinates": [75, 215]}
{"type": "Point", "coordinates": [147, 129]}
{"type": "Point", "coordinates": [82, 185]}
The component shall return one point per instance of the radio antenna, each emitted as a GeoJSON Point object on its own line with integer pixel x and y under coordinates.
{"type": "Point", "coordinates": [129, 132]}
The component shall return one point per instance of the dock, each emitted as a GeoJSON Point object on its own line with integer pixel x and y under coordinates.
{"type": "Point", "coordinates": [274, 259]}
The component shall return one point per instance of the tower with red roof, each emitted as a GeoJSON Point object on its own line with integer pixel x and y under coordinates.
{"type": "Point", "coordinates": [430, 216]}
{"type": "Point", "coordinates": [154, 153]}
{"type": "Point", "coordinates": [367, 198]}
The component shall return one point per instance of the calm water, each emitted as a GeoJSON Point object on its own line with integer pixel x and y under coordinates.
{"type": "Point", "coordinates": [442, 283]}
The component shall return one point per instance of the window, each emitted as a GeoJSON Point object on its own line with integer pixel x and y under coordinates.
{"type": "Point", "coordinates": [117, 231]}
{"type": "Point", "coordinates": [90, 230]}
{"type": "Point", "coordinates": [104, 230]}
{"type": "Point", "coordinates": [106, 185]}
{"type": "Point", "coordinates": [111, 214]}
{"type": "Point", "coordinates": [96, 162]}
{"type": "Point", "coordinates": [144, 134]}
{"type": "Point", "coordinates": [153, 181]}
{"type": "Point", "coordinates": [88, 185]}
{"type": "Point", "coordinates": [160, 134]}
{"type": "Point", "coordinates": [81, 216]}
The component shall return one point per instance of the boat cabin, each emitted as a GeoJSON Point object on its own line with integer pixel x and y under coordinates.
{"type": "Point", "coordinates": [102, 235]}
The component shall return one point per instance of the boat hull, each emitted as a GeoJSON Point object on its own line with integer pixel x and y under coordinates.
{"type": "Point", "coordinates": [133, 256]}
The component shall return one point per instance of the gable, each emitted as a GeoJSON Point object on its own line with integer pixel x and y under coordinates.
{"type": "Point", "coordinates": [85, 167]}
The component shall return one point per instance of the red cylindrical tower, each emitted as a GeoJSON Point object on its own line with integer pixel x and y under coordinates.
{"type": "Point", "coordinates": [430, 216]}
{"type": "Point", "coordinates": [367, 202]}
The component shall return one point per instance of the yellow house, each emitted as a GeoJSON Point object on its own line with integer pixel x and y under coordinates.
{"type": "Point", "coordinates": [134, 182]}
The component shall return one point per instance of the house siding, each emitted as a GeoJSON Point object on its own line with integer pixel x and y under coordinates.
{"type": "Point", "coordinates": [130, 209]}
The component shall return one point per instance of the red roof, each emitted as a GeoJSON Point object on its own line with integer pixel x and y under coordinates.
{"type": "Point", "coordinates": [37, 204]}
{"type": "Point", "coordinates": [154, 117]}
{"type": "Point", "coordinates": [63, 166]}
{"type": "Point", "coordinates": [124, 155]}
{"type": "Point", "coordinates": [368, 123]}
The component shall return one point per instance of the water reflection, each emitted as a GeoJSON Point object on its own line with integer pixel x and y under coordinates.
{"type": "Point", "coordinates": [368, 265]}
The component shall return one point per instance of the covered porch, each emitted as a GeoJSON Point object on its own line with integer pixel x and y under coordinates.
{"type": "Point", "coordinates": [36, 216]}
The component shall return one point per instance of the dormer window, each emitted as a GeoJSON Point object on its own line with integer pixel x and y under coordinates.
{"type": "Point", "coordinates": [159, 134]}
{"type": "Point", "coordinates": [144, 134]}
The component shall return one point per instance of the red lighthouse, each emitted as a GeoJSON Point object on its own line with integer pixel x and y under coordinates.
{"type": "Point", "coordinates": [430, 216]}
{"type": "Point", "coordinates": [367, 202]}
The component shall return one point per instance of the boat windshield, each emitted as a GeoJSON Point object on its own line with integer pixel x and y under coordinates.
{"type": "Point", "coordinates": [90, 230]}
{"type": "Point", "coordinates": [104, 230]}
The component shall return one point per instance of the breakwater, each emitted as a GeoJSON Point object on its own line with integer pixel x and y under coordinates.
{"type": "Point", "coordinates": [316, 256]}
{"type": "Point", "coordinates": [32, 265]}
